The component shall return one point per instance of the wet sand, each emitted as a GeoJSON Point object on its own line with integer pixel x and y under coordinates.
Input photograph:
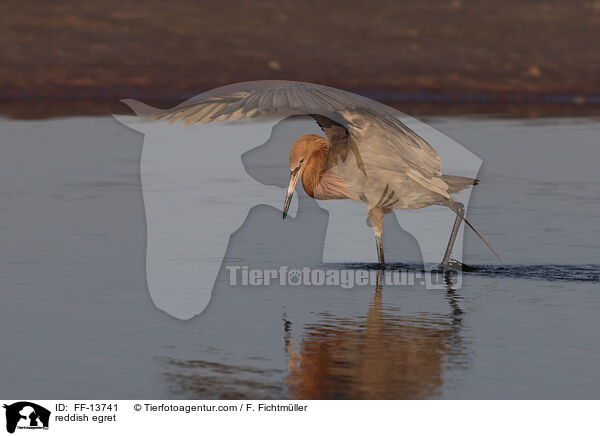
{"type": "Point", "coordinates": [37, 109]}
{"type": "Point", "coordinates": [70, 58]}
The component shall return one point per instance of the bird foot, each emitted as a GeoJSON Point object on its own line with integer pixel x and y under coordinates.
{"type": "Point", "coordinates": [453, 265]}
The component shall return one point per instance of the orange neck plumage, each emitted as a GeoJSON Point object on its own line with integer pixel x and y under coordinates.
{"type": "Point", "coordinates": [317, 181]}
{"type": "Point", "coordinates": [313, 174]}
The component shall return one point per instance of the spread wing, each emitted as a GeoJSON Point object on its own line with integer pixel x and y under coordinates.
{"type": "Point", "coordinates": [353, 124]}
{"type": "Point", "coordinates": [341, 143]}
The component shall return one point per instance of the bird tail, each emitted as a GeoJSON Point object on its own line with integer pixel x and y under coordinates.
{"type": "Point", "coordinates": [459, 210]}
{"type": "Point", "coordinates": [458, 183]}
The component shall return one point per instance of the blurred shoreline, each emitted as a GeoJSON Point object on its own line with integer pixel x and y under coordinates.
{"type": "Point", "coordinates": [40, 109]}
{"type": "Point", "coordinates": [423, 56]}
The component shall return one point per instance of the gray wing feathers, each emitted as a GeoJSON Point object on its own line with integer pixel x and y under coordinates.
{"type": "Point", "coordinates": [371, 128]}
{"type": "Point", "coordinates": [288, 98]}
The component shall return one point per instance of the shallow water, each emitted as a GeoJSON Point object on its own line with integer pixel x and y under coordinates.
{"type": "Point", "coordinates": [76, 319]}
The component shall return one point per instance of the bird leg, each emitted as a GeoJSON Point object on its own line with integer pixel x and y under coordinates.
{"type": "Point", "coordinates": [376, 218]}
{"type": "Point", "coordinates": [457, 221]}
{"type": "Point", "coordinates": [380, 258]}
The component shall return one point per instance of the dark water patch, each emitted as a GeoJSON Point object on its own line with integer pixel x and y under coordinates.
{"type": "Point", "coordinates": [212, 379]}
{"type": "Point", "coordinates": [551, 272]}
{"type": "Point", "coordinates": [578, 273]}
{"type": "Point", "coordinates": [386, 267]}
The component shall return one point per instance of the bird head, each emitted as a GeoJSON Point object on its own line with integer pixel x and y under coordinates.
{"type": "Point", "coordinates": [297, 165]}
{"type": "Point", "coordinates": [302, 152]}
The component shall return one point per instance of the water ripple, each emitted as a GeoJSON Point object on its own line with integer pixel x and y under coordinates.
{"type": "Point", "coordinates": [579, 273]}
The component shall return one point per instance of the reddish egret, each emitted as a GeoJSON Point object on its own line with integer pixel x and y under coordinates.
{"type": "Point", "coordinates": [368, 156]}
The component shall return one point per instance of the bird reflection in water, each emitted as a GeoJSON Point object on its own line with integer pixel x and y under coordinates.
{"type": "Point", "coordinates": [380, 356]}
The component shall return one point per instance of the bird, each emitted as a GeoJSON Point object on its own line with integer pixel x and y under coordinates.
{"type": "Point", "coordinates": [367, 155]}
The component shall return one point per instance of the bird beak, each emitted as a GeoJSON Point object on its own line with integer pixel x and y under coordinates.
{"type": "Point", "coordinates": [294, 177]}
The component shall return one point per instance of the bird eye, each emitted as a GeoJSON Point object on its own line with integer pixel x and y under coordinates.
{"type": "Point", "coordinates": [295, 170]}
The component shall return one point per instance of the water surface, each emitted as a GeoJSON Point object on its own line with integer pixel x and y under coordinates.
{"type": "Point", "coordinates": [76, 319]}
